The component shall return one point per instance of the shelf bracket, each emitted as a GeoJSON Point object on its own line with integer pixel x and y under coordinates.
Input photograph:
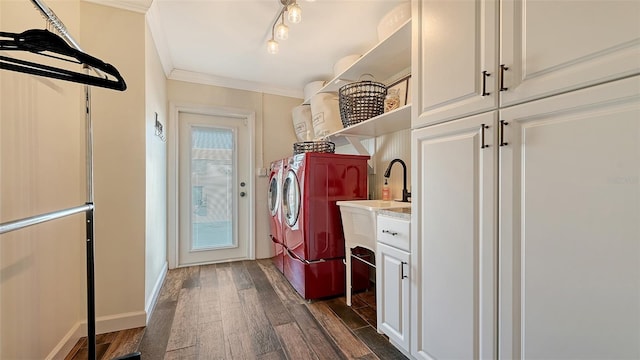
{"type": "Point", "coordinates": [360, 149]}
{"type": "Point", "coordinates": [355, 142]}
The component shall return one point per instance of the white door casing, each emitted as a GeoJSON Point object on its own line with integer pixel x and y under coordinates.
{"type": "Point", "coordinates": [247, 211]}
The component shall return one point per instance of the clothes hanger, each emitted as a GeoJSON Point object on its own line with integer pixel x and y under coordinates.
{"type": "Point", "coordinates": [46, 43]}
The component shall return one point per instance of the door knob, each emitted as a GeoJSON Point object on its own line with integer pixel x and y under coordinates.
{"type": "Point", "coordinates": [243, 194]}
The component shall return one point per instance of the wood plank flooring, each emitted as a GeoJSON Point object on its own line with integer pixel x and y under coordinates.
{"type": "Point", "coordinates": [247, 310]}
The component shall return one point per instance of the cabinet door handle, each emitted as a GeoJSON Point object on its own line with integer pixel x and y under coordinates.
{"type": "Point", "coordinates": [482, 127]}
{"type": "Point", "coordinates": [392, 233]}
{"type": "Point", "coordinates": [485, 74]}
{"type": "Point", "coordinates": [402, 275]}
{"type": "Point", "coordinates": [503, 68]}
{"type": "Point", "coordinates": [502, 125]}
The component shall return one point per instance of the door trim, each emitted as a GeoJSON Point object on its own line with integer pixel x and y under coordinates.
{"type": "Point", "coordinates": [173, 170]}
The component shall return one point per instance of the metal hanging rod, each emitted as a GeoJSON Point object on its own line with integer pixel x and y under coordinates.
{"type": "Point", "coordinates": [58, 25]}
{"type": "Point", "coordinates": [37, 219]}
{"type": "Point", "coordinates": [55, 21]}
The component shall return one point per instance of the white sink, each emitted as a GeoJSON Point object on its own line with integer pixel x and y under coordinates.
{"type": "Point", "coordinates": [359, 220]}
{"type": "Point", "coordinates": [359, 225]}
{"type": "Point", "coordinates": [373, 205]}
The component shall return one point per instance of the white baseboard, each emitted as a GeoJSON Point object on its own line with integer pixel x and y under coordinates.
{"type": "Point", "coordinates": [151, 302]}
{"type": "Point", "coordinates": [67, 343]}
{"type": "Point", "coordinates": [104, 324]}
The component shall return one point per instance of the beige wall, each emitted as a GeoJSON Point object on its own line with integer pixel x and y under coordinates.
{"type": "Point", "coordinates": [118, 37]}
{"type": "Point", "coordinates": [156, 173]}
{"type": "Point", "coordinates": [274, 135]}
{"type": "Point", "coordinates": [42, 291]}
{"type": "Point", "coordinates": [278, 130]}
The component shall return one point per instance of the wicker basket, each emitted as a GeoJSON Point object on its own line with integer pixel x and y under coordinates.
{"type": "Point", "coordinates": [360, 101]}
{"type": "Point", "coordinates": [313, 146]}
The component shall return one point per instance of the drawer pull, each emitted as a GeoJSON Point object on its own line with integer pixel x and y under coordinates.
{"type": "Point", "coordinates": [392, 233]}
{"type": "Point", "coordinates": [485, 74]}
{"type": "Point", "coordinates": [402, 275]}
{"type": "Point", "coordinates": [503, 68]}
{"type": "Point", "coordinates": [482, 127]}
{"type": "Point", "coordinates": [502, 125]}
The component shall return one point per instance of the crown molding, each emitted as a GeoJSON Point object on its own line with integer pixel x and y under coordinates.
{"type": "Point", "coordinates": [206, 79]}
{"type": "Point", "coordinates": [154, 22]}
{"type": "Point", "coordinates": [139, 6]}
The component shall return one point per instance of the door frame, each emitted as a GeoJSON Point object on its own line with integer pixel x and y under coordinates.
{"type": "Point", "coordinates": [173, 230]}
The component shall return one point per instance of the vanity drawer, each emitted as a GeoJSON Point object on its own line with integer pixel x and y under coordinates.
{"type": "Point", "coordinates": [394, 232]}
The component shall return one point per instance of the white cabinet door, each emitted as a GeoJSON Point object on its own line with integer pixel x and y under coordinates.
{"type": "Point", "coordinates": [552, 47]}
{"type": "Point", "coordinates": [454, 59]}
{"type": "Point", "coordinates": [569, 226]}
{"type": "Point", "coordinates": [453, 245]}
{"type": "Point", "coordinates": [392, 274]}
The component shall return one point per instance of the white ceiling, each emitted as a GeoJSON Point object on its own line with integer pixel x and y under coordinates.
{"type": "Point", "coordinates": [223, 42]}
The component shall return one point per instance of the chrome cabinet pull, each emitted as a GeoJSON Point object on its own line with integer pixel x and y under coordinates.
{"type": "Point", "coordinates": [402, 275]}
{"type": "Point", "coordinates": [392, 233]}
{"type": "Point", "coordinates": [485, 74]}
{"type": "Point", "coordinates": [482, 127]}
{"type": "Point", "coordinates": [503, 68]}
{"type": "Point", "coordinates": [502, 124]}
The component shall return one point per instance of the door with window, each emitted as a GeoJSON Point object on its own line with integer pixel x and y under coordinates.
{"type": "Point", "coordinates": [214, 163]}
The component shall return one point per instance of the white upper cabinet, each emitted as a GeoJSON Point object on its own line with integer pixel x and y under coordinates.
{"type": "Point", "coordinates": [454, 61]}
{"type": "Point", "coordinates": [551, 47]}
{"type": "Point", "coordinates": [467, 59]}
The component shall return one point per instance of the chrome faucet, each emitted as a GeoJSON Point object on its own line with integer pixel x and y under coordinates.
{"type": "Point", "coordinates": [405, 193]}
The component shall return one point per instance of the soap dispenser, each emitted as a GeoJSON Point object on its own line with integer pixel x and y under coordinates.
{"type": "Point", "coordinates": [386, 193]}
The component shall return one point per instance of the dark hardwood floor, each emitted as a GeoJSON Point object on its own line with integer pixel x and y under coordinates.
{"type": "Point", "coordinates": [247, 310]}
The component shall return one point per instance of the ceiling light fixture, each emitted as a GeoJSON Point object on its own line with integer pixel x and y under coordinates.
{"type": "Point", "coordinates": [295, 13]}
{"type": "Point", "coordinates": [280, 30]}
{"type": "Point", "coordinates": [272, 46]}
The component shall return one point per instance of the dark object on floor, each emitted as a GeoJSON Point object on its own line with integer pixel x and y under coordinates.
{"type": "Point", "coordinates": [132, 356]}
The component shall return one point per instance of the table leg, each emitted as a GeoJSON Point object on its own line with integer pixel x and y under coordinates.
{"type": "Point", "coordinates": [347, 264]}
